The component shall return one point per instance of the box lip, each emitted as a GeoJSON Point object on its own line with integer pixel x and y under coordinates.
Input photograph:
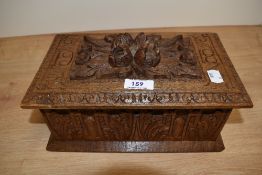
{"type": "Point", "coordinates": [37, 106]}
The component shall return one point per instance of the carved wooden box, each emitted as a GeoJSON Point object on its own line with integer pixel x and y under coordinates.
{"type": "Point", "coordinates": [79, 88]}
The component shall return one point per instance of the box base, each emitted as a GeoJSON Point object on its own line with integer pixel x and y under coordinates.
{"type": "Point", "coordinates": [135, 146]}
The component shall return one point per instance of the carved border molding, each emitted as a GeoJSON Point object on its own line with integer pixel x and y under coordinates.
{"type": "Point", "coordinates": [100, 99]}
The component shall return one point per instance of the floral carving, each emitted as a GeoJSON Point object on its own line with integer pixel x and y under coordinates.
{"type": "Point", "coordinates": [122, 56]}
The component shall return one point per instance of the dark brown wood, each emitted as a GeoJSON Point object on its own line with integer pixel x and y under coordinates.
{"type": "Point", "coordinates": [135, 146]}
{"type": "Point", "coordinates": [80, 91]}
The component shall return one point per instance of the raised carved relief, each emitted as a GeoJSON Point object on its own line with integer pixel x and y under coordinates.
{"type": "Point", "coordinates": [136, 125]}
{"type": "Point", "coordinates": [205, 125]}
{"type": "Point", "coordinates": [144, 56]}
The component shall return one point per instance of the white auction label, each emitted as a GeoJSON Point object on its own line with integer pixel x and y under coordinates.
{"type": "Point", "coordinates": [139, 84]}
{"type": "Point", "coordinates": [215, 76]}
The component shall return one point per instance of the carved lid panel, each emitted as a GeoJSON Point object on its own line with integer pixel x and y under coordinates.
{"type": "Point", "coordinates": [88, 71]}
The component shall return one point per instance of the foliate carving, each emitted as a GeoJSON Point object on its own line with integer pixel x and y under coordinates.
{"type": "Point", "coordinates": [138, 125]}
{"type": "Point", "coordinates": [143, 51]}
{"type": "Point", "coordinates": [145, 56]}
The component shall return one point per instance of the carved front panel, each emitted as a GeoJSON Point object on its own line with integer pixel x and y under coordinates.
{"type": "Point", "coordinates": [140, 125]}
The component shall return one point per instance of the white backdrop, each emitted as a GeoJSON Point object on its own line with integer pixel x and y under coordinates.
{"type": "Point", "coordinates": [26, 17]}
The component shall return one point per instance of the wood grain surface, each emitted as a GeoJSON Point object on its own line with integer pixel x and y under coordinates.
{"type": "Point", "coordinates": [24, 133]}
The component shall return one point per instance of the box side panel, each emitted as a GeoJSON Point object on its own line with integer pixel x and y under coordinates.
{"type": "Point", "coordinates": [136, 125]}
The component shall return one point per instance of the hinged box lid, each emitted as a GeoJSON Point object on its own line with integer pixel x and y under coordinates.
{"type": "Point", "coordinates": [188, 70]}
